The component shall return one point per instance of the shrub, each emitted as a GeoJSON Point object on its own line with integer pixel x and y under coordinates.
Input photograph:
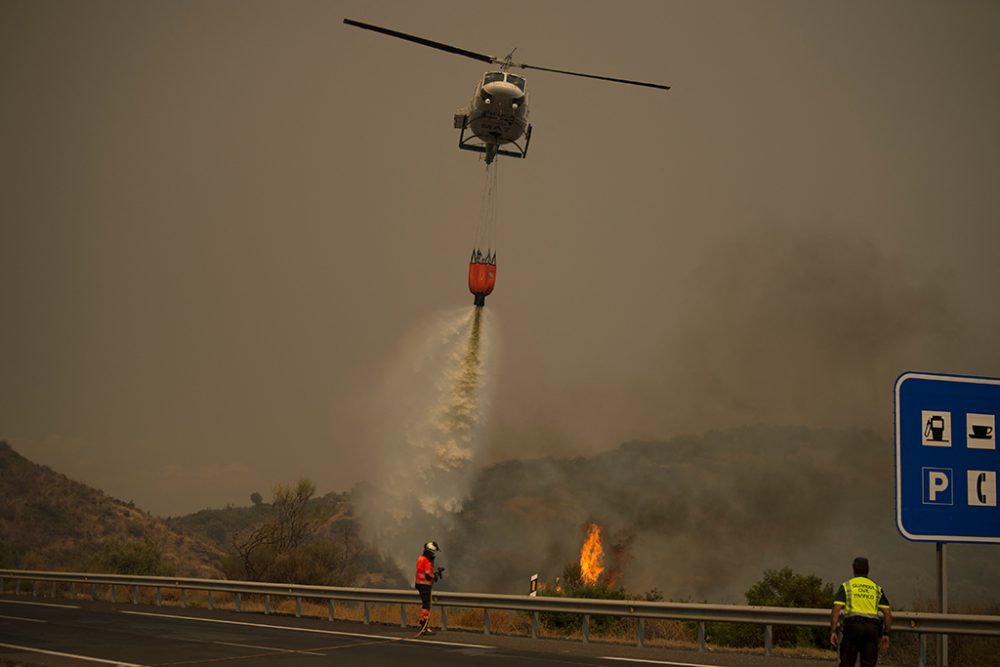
{"type": "Point", "coordinates": [574, 587]}
{"type": "Point", "coordinates": [140, 557]}
{"type": "Point", "coordinates": [779, 588]}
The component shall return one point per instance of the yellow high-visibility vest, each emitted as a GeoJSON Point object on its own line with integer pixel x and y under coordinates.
{"type": "Point", "coordinates": [862, 597]}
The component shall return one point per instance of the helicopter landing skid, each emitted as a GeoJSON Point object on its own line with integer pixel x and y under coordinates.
{"type": "Point", "coordinates": [492, 150]}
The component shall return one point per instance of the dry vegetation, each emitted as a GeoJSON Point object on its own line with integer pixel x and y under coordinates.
{"type": "Point", "coordinates": [48, 521]}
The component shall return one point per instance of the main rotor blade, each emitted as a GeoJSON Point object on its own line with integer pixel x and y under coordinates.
{"type": "Point", "coordinates": [425, 42]}
{"type": "Point", "coordinates": [594, 76]}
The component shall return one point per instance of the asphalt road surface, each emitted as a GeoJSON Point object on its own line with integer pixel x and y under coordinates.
{"type": "Point", "coordinates": [73, 633]}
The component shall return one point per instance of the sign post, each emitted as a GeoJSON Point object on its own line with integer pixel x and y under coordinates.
{"type": "Point", "coordinates": [947, 465]}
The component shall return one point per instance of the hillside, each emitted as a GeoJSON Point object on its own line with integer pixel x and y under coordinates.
{"type": "Point", "coordinates": [354, 562]}
{"type": "Point", "coordinates": [48, 521]}
{"type": "Point", "coordinates": [702, 517]}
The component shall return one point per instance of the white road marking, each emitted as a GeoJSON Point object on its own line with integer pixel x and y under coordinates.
{"type": "Point", "coordinates": [22, 618]}
{"type": "Point", "coordinates": [658, 662]}
{"type": "Point", "coordinates": [269, 648]}
{"type": "Point", "coordinates": [313, 630]}
{"type": "Point", "coordinates": [32, 649]}
{"type": "Point", "coordinates": [41, 604]}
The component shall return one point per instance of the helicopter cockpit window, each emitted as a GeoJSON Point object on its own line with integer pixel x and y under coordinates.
{"type": "Point", "coordinates": [492, 76]}
{"type": "Point", "coordinates": [516, 80]}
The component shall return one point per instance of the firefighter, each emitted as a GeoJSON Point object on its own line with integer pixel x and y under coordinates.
{"type": "Point", "coordinates": [867, 618]}
{"type": "Point", "coordinates": [426, 576]}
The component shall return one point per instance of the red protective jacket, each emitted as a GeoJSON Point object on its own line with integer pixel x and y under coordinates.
{"type": "Point", "coordinates": [425, 571]}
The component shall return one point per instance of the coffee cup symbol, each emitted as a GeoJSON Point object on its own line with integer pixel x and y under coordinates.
{"type": "Point", "coordinates": [935, 428]}
{"type": "Point", "coordinates": [981, 431]}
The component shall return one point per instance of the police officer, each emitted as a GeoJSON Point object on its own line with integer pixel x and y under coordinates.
{"type": "Point", "coordinates": [424, 580]}
{"type": "Point", "coordinates": [867, 618]}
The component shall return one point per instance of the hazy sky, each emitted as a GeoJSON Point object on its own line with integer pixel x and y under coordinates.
{"type": "Point", "coordinates": [222, 223]}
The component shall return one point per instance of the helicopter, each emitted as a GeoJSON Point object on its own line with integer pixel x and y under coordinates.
{"type": "Point", "coordinates": [496, 120]}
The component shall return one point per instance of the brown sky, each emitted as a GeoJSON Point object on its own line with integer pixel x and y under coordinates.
{"type": "Point", "coordinates": [223, 221]}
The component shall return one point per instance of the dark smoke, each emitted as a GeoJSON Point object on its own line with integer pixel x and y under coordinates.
{"type": "Point", "coordinates": [781, 356]}
{"type": "Point", "coordinates": [701, 518]}
{"type": "Point", "coordinates": [786, 327]}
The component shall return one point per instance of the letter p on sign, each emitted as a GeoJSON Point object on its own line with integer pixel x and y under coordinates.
{"type": "Point", "coordinates": [937, 486]}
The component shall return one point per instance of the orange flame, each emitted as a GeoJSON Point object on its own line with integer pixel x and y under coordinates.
{"type": "Point", "coordinates": [592, 556]}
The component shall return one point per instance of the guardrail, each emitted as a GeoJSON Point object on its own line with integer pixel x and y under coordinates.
{"type": "Point", "coordinates": [921, 623]}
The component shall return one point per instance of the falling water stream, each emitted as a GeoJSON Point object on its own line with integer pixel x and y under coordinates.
{"type": "Point", "coordinates": [429, 441]}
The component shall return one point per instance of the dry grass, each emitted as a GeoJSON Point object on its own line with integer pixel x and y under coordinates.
{"type": "Point", "coordinates": [52, 522]}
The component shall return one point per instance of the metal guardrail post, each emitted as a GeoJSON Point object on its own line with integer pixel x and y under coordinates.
{"type": "Point", "coordinates": [402, 615]}
{"type": "Point", "coordinates": [768, 639]}
{"type": "Point", "coordinates": [486, 621]}
{"type": "Point", "coordinates": [135, 595]}
{"type": "Point", "coordinates": [329, 609]}
{"type": "Point", "coordinates": [239, 600]}
{"type": "Point", "coordinates": [922, 650]}
{"type": "Point", "coordinates": [298, 607]}
{"type": "Point", "coordinates": [184, 598]}
{"type": "Point", "coordinates": [93, 591]}
{"type": "Point", "coordinates": [701, 636]}
{"type": "Point", "coordinates": [17, 587]}
{"type": "Point", "coordinates": [640, 632]}
{"type": "Point", "coordinates": [534, 625]}
{"type": "Point", "coordinates": [367, 617]}
{"type": "Point", "coordinates": [114, 594]}
{"type": "Point", "coordinates": [585, 628]}
{"type": "Point", "coordinates": [72, 591]}
{"type": "Point", "coordinates": [159, 596]}
{"type": "Point", "coordinates": [52, 593]}
{"type": "Point", "coordinates": [34, 589]}
{"type": "Point", "coordinates": [267, 604]}
{"type": "Point", "coordinates": [211, 602]}
{"type": "Point", "coordinates": [444, 618]}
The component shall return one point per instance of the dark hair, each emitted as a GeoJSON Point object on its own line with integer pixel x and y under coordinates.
{"type": "Point", "coordinates": [860, 565]}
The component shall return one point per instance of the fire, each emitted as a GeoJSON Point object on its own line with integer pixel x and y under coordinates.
{"type": "Point", "coordinates": [592, 556]}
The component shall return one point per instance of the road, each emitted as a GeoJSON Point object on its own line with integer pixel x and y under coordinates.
{"type": "Point", "coordinates": [73, 633]}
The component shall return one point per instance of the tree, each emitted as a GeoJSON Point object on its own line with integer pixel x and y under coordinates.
{"type": "Point", "coordinates": [256, 499]}
{"type": "Point", "coordinates": [291, 523]}
{"type": "Point", "coordinates": [785, 588]}
{"type": "Point", "coordinates": [780, 588]}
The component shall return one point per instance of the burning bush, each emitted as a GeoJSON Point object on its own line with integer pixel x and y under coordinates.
{"type": "Point", "coordinates": [583, 579]}
{"type": "Point", "coordinates": [572, 585]}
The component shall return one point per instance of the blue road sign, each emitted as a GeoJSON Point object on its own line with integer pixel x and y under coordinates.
{"type": "Point", "coordinates": [946, 458]}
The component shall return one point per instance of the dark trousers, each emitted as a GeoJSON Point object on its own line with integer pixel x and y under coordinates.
{"type": "Point", "coordinates": [425, 598]}
{"type": "Point", "coordinates": [861, 637]}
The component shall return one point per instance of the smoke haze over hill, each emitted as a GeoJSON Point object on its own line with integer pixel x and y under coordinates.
{"type": "Point", "coordinates": [701, 517]}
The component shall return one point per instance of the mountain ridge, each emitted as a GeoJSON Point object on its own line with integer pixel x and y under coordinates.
{"type": "Point", "coordinates": [49, 521]}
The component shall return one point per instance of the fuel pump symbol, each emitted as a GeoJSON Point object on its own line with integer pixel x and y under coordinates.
{"type": "Point", "coordinates": [934, 429]}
